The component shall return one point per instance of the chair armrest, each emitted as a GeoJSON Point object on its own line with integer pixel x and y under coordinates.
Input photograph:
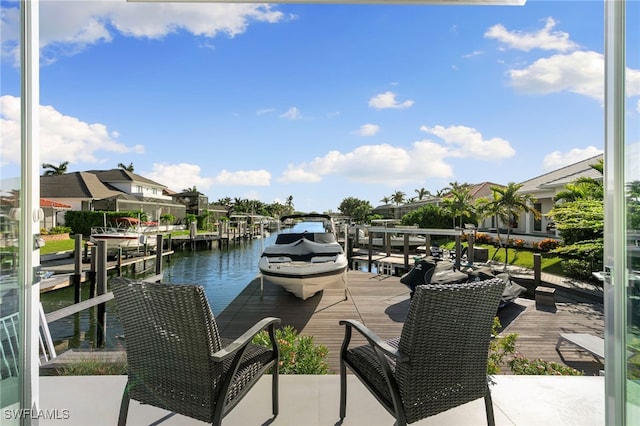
{"type": "Point", "coordinates": [375, 341]}
{"type": "Point", "coordinates": [244, 339]}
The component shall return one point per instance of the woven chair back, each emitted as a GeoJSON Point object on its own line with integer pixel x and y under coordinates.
{"type": "Point", "coordinates": [446, 335]}
{"type": "Point", "coordinates": [170, 333]}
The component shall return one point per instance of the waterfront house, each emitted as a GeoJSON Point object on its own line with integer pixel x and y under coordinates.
{"type": "Point", "coordinates": [110, 190]}
{"type": "Point", "coordinates": [545, 187]}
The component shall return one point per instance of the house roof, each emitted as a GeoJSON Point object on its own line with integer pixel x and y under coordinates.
{"type": "Point", "coordinates": [75, 185]}
{"type": "Point", "coordinates": [482, 190]}
{"type": "Point", "coordinates": [50, 203]}
{"type": "Point", "coordinates": [121, 175]}
{"type": "Point", "coordinates": [479, 190]}
{"type": "Point", "coordinates": [562, 176]}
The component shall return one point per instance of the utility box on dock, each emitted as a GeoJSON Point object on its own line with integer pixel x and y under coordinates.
{"type": "Point", "coordinates": [545, 296]}
{"type": "Point", "coordinates": [480, 254]}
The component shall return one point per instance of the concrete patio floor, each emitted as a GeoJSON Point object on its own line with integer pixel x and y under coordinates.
{"type": "Point", "coordinates": [307, 400]}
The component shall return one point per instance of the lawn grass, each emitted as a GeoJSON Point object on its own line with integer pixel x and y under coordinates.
{"type": "Point", "coordinates": [523, 258]}
{"type": "Point", "coordinates": [55, 246]}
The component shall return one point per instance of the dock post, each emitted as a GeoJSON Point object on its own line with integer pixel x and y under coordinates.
{"type": "Point", "coordinates": [370, 262]}
{"type": "Point", "coordinates": [537, 269]}
{"type": "Point", "coordinates": [119, 262]}
{"type": "Point", "coordinates": [406, 252]}
{"type": "Point", "coordinates": [159, 252]}
{"type": "Point", "coordinates": [470, 252]}
{"type": "Point", "coordinates": [92, 272]}
{"type": "Point", "coordinates": [101, 284]}
{"type": "Point", "coordinates": [77, 268]}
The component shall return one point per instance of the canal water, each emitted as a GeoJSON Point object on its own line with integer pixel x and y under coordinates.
{"type": "Point", "coordinates": [223, 273]}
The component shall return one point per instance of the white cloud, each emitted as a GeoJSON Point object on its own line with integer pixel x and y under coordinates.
{"type": "Point", "coordinates": [465, 142]}
{"type": "Point", "coordinates": [292, 113]}
{"type": "Point", "coordinates": [368, 130]}
{"type": "Point", "coordinates": [388, 100]}
{"type": "Point", "coordinates": [474, 53]}
{"type": "Point", "coordinates": [264, 111]}
{"type": "Point", "coordinates": [90, 22]}
{"type": "Point", "coordinates": [298, 174]}
{"type": "Point", "coordinates": [544, 39]}
{"type": "Point", "coordinates": [185, 175]}
{"type": "Point", "coordinates": [578, 72]}
{"type": "Point", "coordinates": [557, 159]}
{"type": "Point", "coordinates": [381, 164]}
{"type": "Point", "coordinates": [243, 178]}
{"type": "Point", "coordinates": [62, 137]}
{"type": "Point", "coordinates": [179, 176]}
{"type": "Point", "coordinates": [390, 165]}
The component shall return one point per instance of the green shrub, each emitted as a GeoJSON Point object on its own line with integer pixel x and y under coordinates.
{"type": "Point", "coordinates": [577, 268]}
{"type": "Point", "coordinates": [92, 366]}
{"type": "Point", "coordinates": [60, 230]}
{"type": "Point", "coordinates": [523, 366]}
{"type": "Point", "coordinates": [499, 347]}
{"type": "Point", "coordinates": [298, 354]}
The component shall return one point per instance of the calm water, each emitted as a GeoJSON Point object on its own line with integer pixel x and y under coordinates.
{"type": "Point", "coordinates": [223, 274]}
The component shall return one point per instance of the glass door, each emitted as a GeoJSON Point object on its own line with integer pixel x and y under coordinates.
{"type": "Point", "coordinates": [10, 348]}
{"type": "Point", "coordinates": [622, 212]}
{"type": "Point", "coordinates": [632, 197]}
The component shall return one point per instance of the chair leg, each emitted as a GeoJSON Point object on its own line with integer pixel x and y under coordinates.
{"type": "Point", "coordinates": [124, 407]}
{"type": "Point", "coordinates": [274, 390]}
{"type": "Point", "coordinates": [343, 389]}
{"type": "Point", "coordinates": [488, 405]}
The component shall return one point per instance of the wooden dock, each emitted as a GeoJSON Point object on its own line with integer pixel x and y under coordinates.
{"type": "Point", "coordinates": [381, 303]}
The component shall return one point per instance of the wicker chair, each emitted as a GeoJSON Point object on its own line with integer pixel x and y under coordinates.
{"type": "Point", "coordinates": [176, 358]}
{"type": "Point", "coordinates": [440, 359]}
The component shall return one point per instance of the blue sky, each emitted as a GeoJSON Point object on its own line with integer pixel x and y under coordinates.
{"type": "Point", "coordinates": [318, 102]}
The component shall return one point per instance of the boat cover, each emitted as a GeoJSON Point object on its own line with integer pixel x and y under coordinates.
{"type": "Point", "coordinates": [432, 271]}
{"type": "Point", "coordinates": [303, 248]}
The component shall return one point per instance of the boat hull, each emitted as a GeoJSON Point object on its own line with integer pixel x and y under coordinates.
{"type": "Point", "coordinates": [304, 279]}
{"type": "Point", "coordinates": [121, 238]}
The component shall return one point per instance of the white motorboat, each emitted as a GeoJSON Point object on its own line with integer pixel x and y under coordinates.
{"type": "Point", "coordinates": [305, 262]}
{"type": "Point", "coordinates": [127, 234]}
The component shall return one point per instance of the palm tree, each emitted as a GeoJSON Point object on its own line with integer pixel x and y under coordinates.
{"type": "Point", "coordinates": [459, 202]}
{"type": "Point", "coordinates": [508, 203]}
{"type": "Point", "coordinates": [583, 188]}
{"type": "Point", "coordinates": [386, 200]}
{"type": "Point", "coordinates": [398, 197]}
{"type": "Point", "coordinates": [53, 170]}
{"type": "Point", "coordinates": [128, 168]}
{"type": "Point", "coordinates": [422, 192]}
{"type": "Point", "coordinates": [485, 208]}
{"type": "Point", "coordinates": [289, 204]}
{"type": "Point", "coordinates": [192, 189]}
